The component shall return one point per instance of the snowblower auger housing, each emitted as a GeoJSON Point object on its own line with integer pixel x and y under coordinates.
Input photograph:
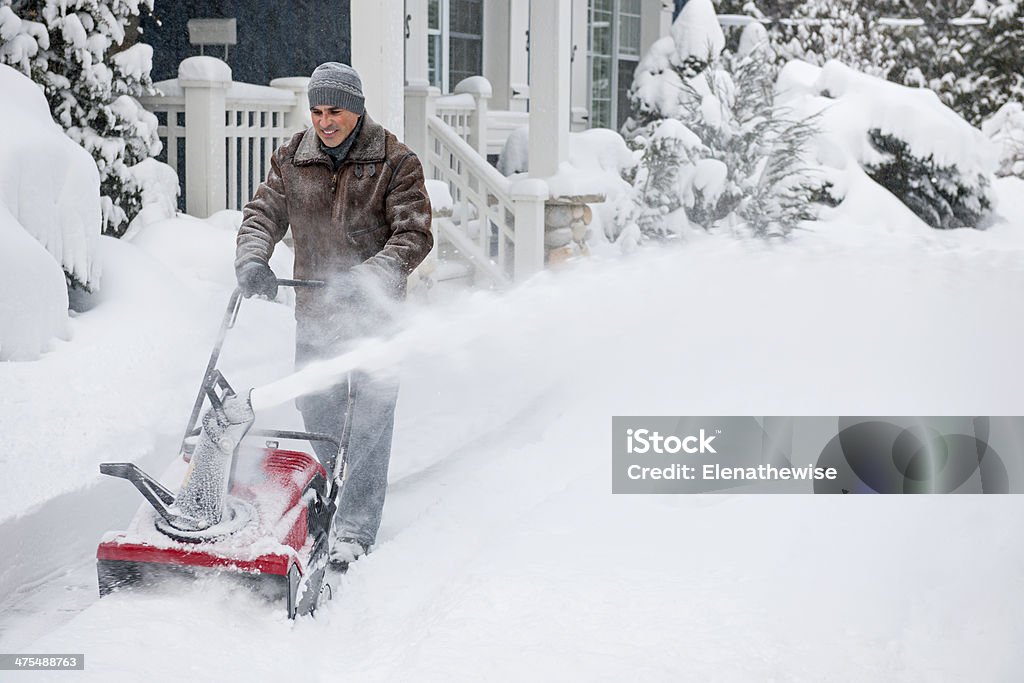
{"type": "Point", "coordinates": [273, 527]}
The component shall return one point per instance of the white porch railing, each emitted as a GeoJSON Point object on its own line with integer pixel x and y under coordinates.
{"type": "Point", "coordinates": [497, 226]}
{"type": "Point", "coordinates": [219, 135]}
{"type": "Point", "coordinates": [457, 111]}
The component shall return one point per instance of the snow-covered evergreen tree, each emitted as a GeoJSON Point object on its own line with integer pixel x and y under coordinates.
{"type": "Point", "coordinates": [846, 31]}
{"type": "Point", "coordinates": [714, 144]}
{"type": "Point", "coordinates": [994, 64]}
{"type": "Point", "coordinates": [1006, 129]}
{"type": "Point", "coordinates": [75, 50]}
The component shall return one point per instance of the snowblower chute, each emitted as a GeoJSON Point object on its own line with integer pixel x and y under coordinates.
{"type": "Point", "coordinates": [272, 525]}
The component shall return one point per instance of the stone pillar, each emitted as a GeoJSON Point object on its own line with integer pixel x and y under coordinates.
{"type": "Point", "coordinates": [566, 221]}
{"type": "Point", "coordinates": [550, 47]}
{"type": "Point", "coordinates": [378, 42]}
{"type": "Point", "coordinates": [205, 81]}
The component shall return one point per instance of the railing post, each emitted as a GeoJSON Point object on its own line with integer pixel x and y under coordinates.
{"type": "Point", "coordinates": [480, 88]}
{"type": "Point", "coordinates": [419, 106]}
{"type": "Point", "coordinates": [297, 118]}
{"type": "Point", "coordinates": [205, 81]}
{"type": "Point", "coordinates": [529, 197]}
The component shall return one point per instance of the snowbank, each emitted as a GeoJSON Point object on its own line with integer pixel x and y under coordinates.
{"type": "Point", "coordinates": [202, 251]}
{"type": "Point", "coordinates": [48, 183]}
{"type": "Point", "coordinates": [33, 294]}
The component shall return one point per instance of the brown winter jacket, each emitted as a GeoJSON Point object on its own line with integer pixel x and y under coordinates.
{"type": "Point", "coordinates": [370, 217]}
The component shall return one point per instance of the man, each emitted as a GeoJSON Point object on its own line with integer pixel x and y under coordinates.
{"type": "Point", "coordinates": [360, 217]}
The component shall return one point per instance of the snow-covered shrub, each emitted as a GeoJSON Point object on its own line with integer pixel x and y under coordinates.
{"type": "Point", "coordinates": [48, 183]}
{"type": "Point", "coordinates": [1006, 129]}
{"type": "Point", "coordinates": [732, 157]}
{"type": "Point", "coordinates": [696, 40]}
{"type": "Point", "coordinates": [939, 194]}
{"type": "Point", "coordinates": [74, 49]}
{"type": "Point", "coordinates": [904, 138]}
{"type": "Point", "coordinates": [663, 179]}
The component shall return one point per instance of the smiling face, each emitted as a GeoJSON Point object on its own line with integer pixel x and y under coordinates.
{"type": "Point", "coordinates": [332, 124]}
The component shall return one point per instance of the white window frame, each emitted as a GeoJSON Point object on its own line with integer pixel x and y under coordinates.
{"type": "Point", "coordinates": [443, 17]}
{"type": "Point", "coordinates": [444, 67]}
{"type": "Point", "coordinates": [616, 56]}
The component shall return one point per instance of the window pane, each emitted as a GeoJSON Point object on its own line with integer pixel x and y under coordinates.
{"type": "Point", "coordinates": [466, 56]}
{"type": "Point", "coordinates": [467, 17]}
{"type": "Point", "coordinates": [626, 69]}
{"type": "Point", "coordinates": [465, 44]}
{"type": "Point", "coordinates": [629, 34]}
{"type": "Point", "coordinates": [434, 59]}
{"type": "Point", "coordinates": [434, 14]}
{"type": "Point", "coordinates": [600, 114]}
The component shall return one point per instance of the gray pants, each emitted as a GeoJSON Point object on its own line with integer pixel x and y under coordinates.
{"type": "Point", "coordinates": [369, 444]}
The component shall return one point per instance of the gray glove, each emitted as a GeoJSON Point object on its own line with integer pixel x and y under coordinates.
{"type": "Point", "coordinates": [256, 278]}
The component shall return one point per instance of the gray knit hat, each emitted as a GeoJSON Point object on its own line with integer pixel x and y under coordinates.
{"type": "Point", "coordinates": [336, 85]}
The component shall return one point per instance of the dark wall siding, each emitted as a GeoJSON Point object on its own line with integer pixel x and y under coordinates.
{"type": "Point", "coordinates": [275, 37]}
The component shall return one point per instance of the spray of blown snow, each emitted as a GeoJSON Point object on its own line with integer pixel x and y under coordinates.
{"type": "Point", "coordinates": [449, 330]}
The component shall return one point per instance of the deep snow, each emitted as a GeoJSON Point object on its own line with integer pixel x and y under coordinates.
{"type": "Point", "coordinates": [503, 554]}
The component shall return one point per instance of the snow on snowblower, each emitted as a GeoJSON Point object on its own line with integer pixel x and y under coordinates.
{"type": "Point", "coordinates": [271, 522]}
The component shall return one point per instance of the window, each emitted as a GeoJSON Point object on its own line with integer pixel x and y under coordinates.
{"type": "Point", "coordinates": [435, 58]}
{"type": "Point", "coordinates": [614, 52]}
{"type": "Point", "coordinates": [454, 41]}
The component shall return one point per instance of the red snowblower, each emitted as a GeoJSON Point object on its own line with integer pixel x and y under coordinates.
{"type": "Point", "coordinates": [269, 520]}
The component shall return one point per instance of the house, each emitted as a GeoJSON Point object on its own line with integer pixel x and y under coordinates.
{"type": "Point", "coordinates": [452, 77]}
{"type": "Point", "coordinates": [444, 42]}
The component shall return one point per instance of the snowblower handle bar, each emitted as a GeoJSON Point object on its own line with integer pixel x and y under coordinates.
{"type": "Point", "coordinates": [211, 374]}
{"type": "Point", "coordinates": [284, 282]}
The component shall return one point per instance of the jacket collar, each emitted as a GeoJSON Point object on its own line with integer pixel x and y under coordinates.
{"type": "Point", "coordinates": [369, 146]}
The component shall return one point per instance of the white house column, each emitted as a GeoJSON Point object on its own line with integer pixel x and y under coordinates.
{"type": "Point", "coordinates": [378, 42]}
{"type": "Point", "coordinates": [518, 60]}
{"type": "Point", "coordinates": [417, 77]}
{"type": "Point", "coordinates": [414, 28]}
{"type": "Point", "coordinates": [580, 101]}
{"type": "Point", "coordinates": [550, 48]}
{"type": "Point", "coordinates": [496, 51]}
